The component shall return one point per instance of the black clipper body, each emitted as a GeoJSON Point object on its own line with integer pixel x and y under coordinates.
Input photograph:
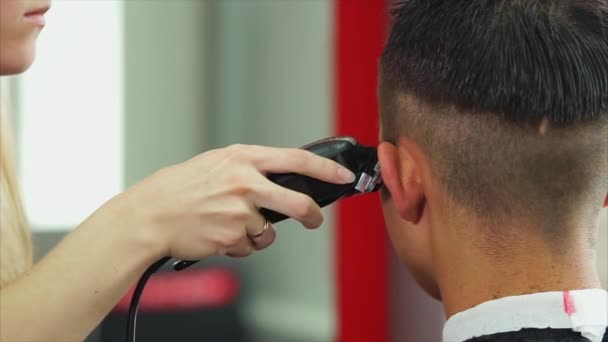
{"type": "Point", "coordinates": [361, 160]}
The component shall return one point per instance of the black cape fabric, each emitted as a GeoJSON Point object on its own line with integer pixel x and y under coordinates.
{"type": "Point", "coordinates": [536, 335]}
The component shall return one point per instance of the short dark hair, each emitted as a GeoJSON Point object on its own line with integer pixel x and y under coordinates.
{"type": "Point", "coordinates": [509, 98]}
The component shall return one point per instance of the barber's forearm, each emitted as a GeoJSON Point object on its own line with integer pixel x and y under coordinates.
{"type": "Point", "coordinates": [71, 290]}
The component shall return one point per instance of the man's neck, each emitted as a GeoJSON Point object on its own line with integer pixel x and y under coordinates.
{"type": "Point", "coordinates": [475, 275]}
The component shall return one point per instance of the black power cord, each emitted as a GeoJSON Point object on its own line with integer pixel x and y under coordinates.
{"type": "Point", "coordinates": [139, 289]}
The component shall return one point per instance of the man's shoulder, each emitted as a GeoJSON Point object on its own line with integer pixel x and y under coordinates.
{"type": "Point", "coordinates": [536, 335]}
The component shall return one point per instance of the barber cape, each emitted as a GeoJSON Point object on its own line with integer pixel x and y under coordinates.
{"type": "Point", "coordinates": [568, 316]}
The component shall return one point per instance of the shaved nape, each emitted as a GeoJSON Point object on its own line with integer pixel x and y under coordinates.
{"type": "Point", "coordinates": [554, 178]}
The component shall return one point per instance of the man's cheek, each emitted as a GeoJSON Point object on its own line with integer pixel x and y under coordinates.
{"type": "Point", "coordinates": [412, 249]}
{"type": "Point", "coordinates": [400, 230]}
{"type": "Point", "coordinates": [396, 228]}
{"type": "Point", "coordinates": [390, 215]}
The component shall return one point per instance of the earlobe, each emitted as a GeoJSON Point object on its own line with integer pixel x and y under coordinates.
{"type": "Point", "coordinates": [400, 177]}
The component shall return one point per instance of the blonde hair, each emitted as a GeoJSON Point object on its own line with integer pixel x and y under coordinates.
{"type": "Point", "coordinates": [15, 237]}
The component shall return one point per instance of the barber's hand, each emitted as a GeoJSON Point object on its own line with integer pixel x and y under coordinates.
{"type": "Point", "coordinates": [209, 204]}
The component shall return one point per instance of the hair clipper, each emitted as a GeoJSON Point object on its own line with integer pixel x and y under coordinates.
{"type": "Point", "coordinates": [361, 160]}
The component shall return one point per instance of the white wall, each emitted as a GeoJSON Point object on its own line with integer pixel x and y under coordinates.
{"type": "Point", "coordinates": [69, 115]}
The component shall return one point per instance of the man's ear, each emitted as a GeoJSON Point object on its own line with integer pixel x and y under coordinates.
{"type": "Point", "coordinates": [401, 176]}
{"type": "Point", "coordinates": [606, 202]}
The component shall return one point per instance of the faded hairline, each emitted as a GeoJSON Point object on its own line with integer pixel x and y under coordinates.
{"type": "Point", "coordinates": [554, 177]}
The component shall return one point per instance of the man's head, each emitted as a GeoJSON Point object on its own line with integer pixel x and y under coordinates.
{"type": "Point", "coordinates": [495, 121]}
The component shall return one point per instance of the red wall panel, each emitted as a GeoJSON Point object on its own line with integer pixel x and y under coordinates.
{"type": "Point", "coordinates": [362, 251]}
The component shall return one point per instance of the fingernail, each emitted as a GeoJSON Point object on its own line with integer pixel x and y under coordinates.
{"type": "Point", "coordinates": [346, 175]}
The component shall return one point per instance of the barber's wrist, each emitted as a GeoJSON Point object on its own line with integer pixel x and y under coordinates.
{"type": "Point", "coordinates": [127, 221]}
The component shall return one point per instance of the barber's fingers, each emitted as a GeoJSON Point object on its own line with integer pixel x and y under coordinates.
{"type": "Point", "coordinates": [261, 233]}
{"type": "Point", "coordinates": [287, 202]}
{"type": "Point", "coordinates": [247, 245]}
{"type": "Point", "coordinates": [244, 247]}
{"type": "Point", "coordinates": [288, 160]}
{"type": "Point", "coordinates": [264, 239]}
{"type": "Point", "coordinates": [258, 234]}
{"type": "Point", "coordinates": [256, 224]}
